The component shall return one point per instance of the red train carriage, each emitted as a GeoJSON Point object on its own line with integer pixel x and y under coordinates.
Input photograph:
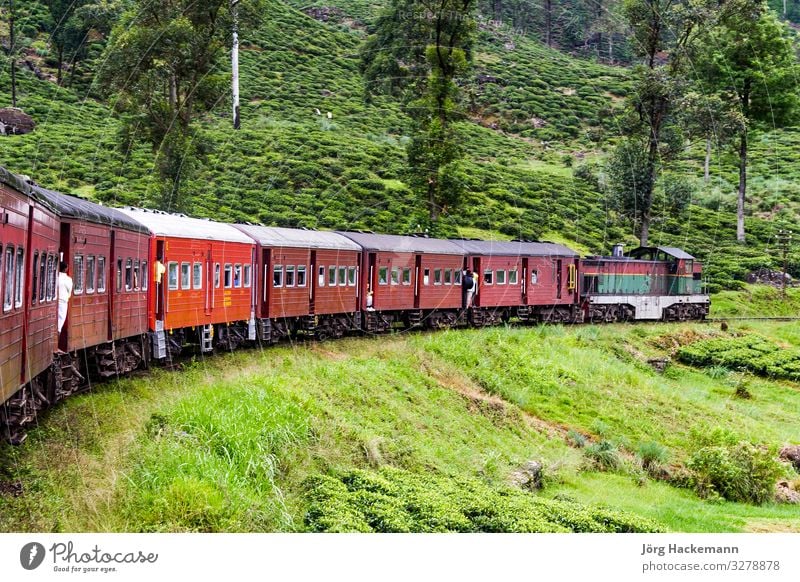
{"type": "Point", "coordinates": [408, 279]}
{"type": "Point", "coordinates": [648, 283]}
{"type": "Point", "coordinates": [107, 320]}
{"type": "Point", "coordinates": [533, 281]}
{"type": "Point", "coordinates": [206, 293]}
{"type": "Point", "coordinates": [28, 265]}
{"type": "Point", "coordinates": [308, 282]}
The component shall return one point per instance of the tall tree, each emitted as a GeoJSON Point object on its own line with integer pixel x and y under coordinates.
{"type": "Point", "coordinates": [419, 51]}
{"type": "Point", "coordinates": [164, 62]}
{"type": "Point", "coordinates": [753, 57]}
{"type": "Point", "coordinates": [64, 34]}
{"type": "Point", "coordinates": [12, 52]}
{"type": "Point", "coordinates": [662, 31]}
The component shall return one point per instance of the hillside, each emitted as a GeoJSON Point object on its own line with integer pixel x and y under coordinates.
{"type": "Point", "coordinates": [537, 115]}
{"type": "Point", "coordinates": [413, 432]}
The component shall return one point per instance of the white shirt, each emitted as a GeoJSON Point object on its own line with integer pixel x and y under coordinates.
{"type": "Point", "coordinates": [64, 287]}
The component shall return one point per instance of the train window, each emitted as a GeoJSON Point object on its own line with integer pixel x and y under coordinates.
{"type": "Point", "coordinates": [129, 274]}
{"type": "Point", "coordinates": [101, 274]}
{"type": "Point", "coordinates": [301, 275]}
{"type": "Point", "coordinates": [186, 282]}
{"type": "Point", "coordinates": [8, 276]}
{"type": "Point", "coordinates": [407, 276]}
{"type": "Point", "coordinates": [457, 277]}
{"type": "Point", "coordinates": [248, 276]}
{"type": "Point", "coordinates": [78, 274]}
{"type": "Point", "coordinates": [512, 276]}
{"type": "Point", "coordinates": [448, 276]}
{"type": "Point", "coordinates": [8, 272]}
{"type": "Point", "coordinates": [52, 271]}
{"type": "Point", "coordinates": [119, 275]}
{"type": "Point", "coordinates": [277, 276]}
{"type": "Point", "coordinates": [197, 275]}
{"type": "Point", "coordinates": [395, 276]}
{"type": "Point", "coordinates": [145, 277]}
{"type": "Point", "coordinates": [90, 273]}
{"type": "Point", "coordinates": [426, 277]}
{"type": "Point", "coordinates": [383, 276]}
{"type": "Point", "coordinates": [437, 276]}
{"type": "Point", "coordinates": [20, 278]}
{"type": "Point", "coordinates": [43, 278]}
{"type": "Point", "coordinates": [501, 276]}
{"type": "Point", "coordinates": [172, 275]}
{"type": "Point", "coordinates": [228, 276]}
{"type": "Point", "coordinates": [488, 276]}
{"type": "Point", "coordinates": [351, 276]}
{"type": "Point", "coordinates": [216, 275]}
{"type": "Point", "coordinates": [35, 284]}
{"type": "Point", "coordinates": [534, 277]}
{"type": "Point", "coordinates": [331, 276]}
{"type": "Point", "coordinates": [290, 276]}
{"type": "Point", "coordinates": [237, 275]}
{"type": "Point", "coordinates": [342, 276]}
{"type": "Point", "coordinates": [136, 275]}
{"type": "Point", "coordinates": [321, 277]}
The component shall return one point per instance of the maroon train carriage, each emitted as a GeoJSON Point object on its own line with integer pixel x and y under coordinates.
{"type": "Point", "coordinates": [410, 280]}
{"type": "Point", "coordinates": [106, 326]}
{"type": "Point", "coordinates": [533, 281]}
{"type": "Point", "coordinates": [308, 283]}
{"type": "Point", "coordinates": [28, 266]}
{"type": "Point", "coordinates": [207, 294]}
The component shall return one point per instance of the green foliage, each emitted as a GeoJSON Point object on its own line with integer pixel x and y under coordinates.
{"type": "Point", "coordinates": [652, 455]}
{"type": "Point", "coordinates": [734, 470]}
{"type": "Point", "coordinates": [749, 352]}
{"type": "Point", "coordinates": [604, 455]}
{"type": "Point", "coordinates": [393, 500]}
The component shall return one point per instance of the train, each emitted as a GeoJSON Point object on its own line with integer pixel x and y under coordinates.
{"type": "Point", "coordinates": [149, 286]}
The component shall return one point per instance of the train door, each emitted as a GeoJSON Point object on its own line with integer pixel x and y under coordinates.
{"type": "Point", "coordinates": [312, 283]}
{"type": "Point", "coordinates": [112, 290]}
{"type": "Point", "coordinates": [476, 273]}
{"type": "Point", "coordinates": [266, 284]}
{"type": "Point", "coordinates": [161, 284]}
{"type": "Point", "coordinates": [417, 270]}
{"type": "Point", "coordinates": [209, 283]}
{"type": "Point", "coordinates": [66, 256]}
{"type": "Point", "coordinates": [524, 288]}
{"type": "Point", "coordinates": [559, 277]}
{"type": "Point", "coordinates": [371, 281]}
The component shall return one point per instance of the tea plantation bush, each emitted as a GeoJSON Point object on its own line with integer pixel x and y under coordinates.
{"type": "Point", "coordinates": [393, 500]}
{"type": "Point", "coordinates": [750, 352]}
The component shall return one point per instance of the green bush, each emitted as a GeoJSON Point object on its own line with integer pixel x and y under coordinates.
{"type": "Point", "coordinates": [652, 455]}
{"type": "Point", "coordinates": [604, 455]}
{"type": "Point", "coordinates": [750, 352]}
{"type": "Point", "coordinates": [740, 471]}
{"type": "Point", "coordinates": [393, 500]}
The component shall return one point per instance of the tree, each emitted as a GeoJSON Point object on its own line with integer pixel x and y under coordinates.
{"type": "Point", "coordinates": [65, 35]}
{"type": "Point", "coordinates": [419, 52]}
{"type": "Point", "coordinates": [662, 32]}
{"type": "Point", "coordinates": [164, 64]}
{"type": "Point", "coordinates": [753, 57]}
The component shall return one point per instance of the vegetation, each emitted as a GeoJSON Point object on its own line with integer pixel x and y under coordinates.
{"type": "Point", "coordinates": [319, 436]}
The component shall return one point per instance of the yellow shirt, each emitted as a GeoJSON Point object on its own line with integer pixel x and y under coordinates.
{"type": "Point", "coordinates": [160, 270]}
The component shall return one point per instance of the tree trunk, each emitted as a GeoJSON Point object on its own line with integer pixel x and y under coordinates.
{"type": "Point", "coordinates": [742, 187]}
{"type": "Point", "coordinates": [60, 50]}
{"type": "Point", "coordinates": [645, 233]}
{"type": "Point", "coordinates": [707, 165]}
{"type": "Point", "coordinates": [12, 53]}
{"type": "Point", "coordinates": [548, 7]}
{"type": "Point", "coordinates": [235, 64]}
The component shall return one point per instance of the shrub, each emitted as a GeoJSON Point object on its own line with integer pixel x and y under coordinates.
{"type": "Point", "coordinates": [653, 455]}
{"type": "Point", "coordinates": [737, 472]}
{"type": "Point", "coordinates": [604, 455]}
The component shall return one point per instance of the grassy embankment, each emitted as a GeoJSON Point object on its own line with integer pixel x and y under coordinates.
{"type": "Point", "coordinates": [239, 442]}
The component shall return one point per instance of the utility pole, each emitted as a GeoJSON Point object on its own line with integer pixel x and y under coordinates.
{"type": "Point", "coordinates": [235, 63]}
{"type": "Point", "coordinates": [12, 53]}
{"type": "Point", "coordinates": [784, 240]}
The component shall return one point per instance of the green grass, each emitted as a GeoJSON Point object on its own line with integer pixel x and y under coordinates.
{"type": "Point", "coordinates": [231, 443]}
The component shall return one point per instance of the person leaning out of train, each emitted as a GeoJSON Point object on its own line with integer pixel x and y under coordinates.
{"type": "Point", "coordinates": [160, 269]}
{"type": "Point", "coordinates": [64, 294]}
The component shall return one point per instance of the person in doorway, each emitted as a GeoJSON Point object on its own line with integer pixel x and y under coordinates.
{"type": "Point", "coordinates": [64, 294]}
{"type": "Point", "coordinates": [160, 269]}
{"type": "Point", "coordinates": [471, 285]}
